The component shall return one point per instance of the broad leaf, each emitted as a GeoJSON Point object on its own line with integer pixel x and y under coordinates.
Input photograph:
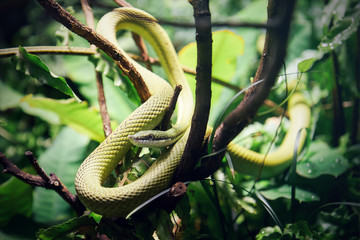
{"type": "Point", "coordinates": [305, 65]}
{"type": "Point", "coordinates": [227, 46]}
{"type": "Point", "coordinates": [118, 103]}
{"type": "Point", "coordinates": [76, 115]}
{"type": "Point", "coordinates": [15, 199]}
{"type": "Point", "coordinates": [33, 66]}
{"type": "Point", "coordinates": [321, 159]}
{"type": "Point", "coordinates": [285, 192]}
{"type": "Point", "coordinates": [9, 98]}
{"type": "Point", "coordinates": [61, 231]}
{"type": "Point", "coordinates": [108, 68]}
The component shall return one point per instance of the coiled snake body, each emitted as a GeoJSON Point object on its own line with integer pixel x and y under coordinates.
{"type": "Point", "coordinates": [119, 201]}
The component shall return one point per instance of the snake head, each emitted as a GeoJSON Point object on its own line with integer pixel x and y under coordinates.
{"type": "Point", "coordinates": [151, 138]}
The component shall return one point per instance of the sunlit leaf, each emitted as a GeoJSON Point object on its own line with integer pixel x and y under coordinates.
{"type": "Point", "coordinates": [118, 103]}
{"type": "Point", "coordinates": [33, 66]}
{"type": "Point", "coordinates": [227, 46]}
{"type": "Point", "coordinates": [76, 115]}
{"type": "Point", "coordinates": [305, 65]}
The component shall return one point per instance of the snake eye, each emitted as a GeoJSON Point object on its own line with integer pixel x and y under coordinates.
{"type": "Point", "coordinates": [151, 136]}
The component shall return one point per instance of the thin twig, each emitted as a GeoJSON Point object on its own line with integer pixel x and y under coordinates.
{"type": "Point", "coordinates": [123, 3]}
{"type": "Point", "coordinates": [102, 104]}
{"type": "Point", "coordinates": [34, 163]}
{"type": "Point", "coordinates": [89, 19]}
{"type": "Point", "coordinates": [89, 16]}
{"type": "Point", "coordinates": [166, 120]}
{"type": "Point", "coordinates": [64, 50]}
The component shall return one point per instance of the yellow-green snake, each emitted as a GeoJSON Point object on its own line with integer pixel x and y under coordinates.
{"type": "Point", "coordinates": [137, 128]}
{"type": "Point", "coordinates": [119, 201]}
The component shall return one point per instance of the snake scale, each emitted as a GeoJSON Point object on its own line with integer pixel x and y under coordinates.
{"type": "Point", "coordinates": [120, 201]}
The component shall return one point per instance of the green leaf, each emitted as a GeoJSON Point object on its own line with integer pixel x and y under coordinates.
{"type": "Point", "coordinates": [269, 233]}
{"type": "Point", "coordinates": [33, 66]}
{"type": "Point", "coordinates": [105, 65]}
{"type": "Point", "coordinates": [300, 230]}
{"type": "Point", "coordinates": [227, 46]}
{"type": "Point", "coordinates": [63, 158]}
{"type": "Point", "coordinates": [76, 115]}
{"type": "Point", "coordinates": [118, 103]}
{"type": "Point", "coordinates": [8, 97]}
{"type": "Point", "coordinates": [163, 225]}
{"type": "Point", "coordinates": [285, 192]}
{"type": "Point", "coordinates": [344, 23]}
{"type": "Point", "coordinates": [80, 71]}
{"type": "Point", "coordinates": [15, 199]}
{"type": "Point", "coordinates": [305, 65]}
{"type": "Point", "coordinates": [61, 231]}
{"type": "Point", "coordinates": [340, 223]}
{"type": "Point", "coordinates": [321, 159]}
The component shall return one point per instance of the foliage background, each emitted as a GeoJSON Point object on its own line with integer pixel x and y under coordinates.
{"type": "Point", "coordinates": [62, 132]}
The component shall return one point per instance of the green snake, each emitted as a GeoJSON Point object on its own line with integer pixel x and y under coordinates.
{"type": "Point", "coordinates": [138, 127]}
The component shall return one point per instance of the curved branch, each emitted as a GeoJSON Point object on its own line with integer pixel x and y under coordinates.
{"type": "Point", "coordinates": [70, 22]}
{"type": "Point", "coordinates": [270, 64]}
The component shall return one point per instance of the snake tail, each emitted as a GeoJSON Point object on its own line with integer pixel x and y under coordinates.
{"type": "Point", "coordinates": [249, 162]}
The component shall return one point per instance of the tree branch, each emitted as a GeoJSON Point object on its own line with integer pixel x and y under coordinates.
{"type": "Point", "coordinates": [65, 50]}
{"type": "Point", "coordinates": [138, 40]}
{"type": "Point", "coordinates": [70, 22]}
{"type": "Point", "coordinates": [273, 57]}
{"type": "Point", "coordinates": [42, 180]}
{"type": "Point", "coordinates": [199, 121]}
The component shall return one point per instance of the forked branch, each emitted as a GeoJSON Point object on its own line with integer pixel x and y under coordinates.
{"type": "Point", "coordinates": [50, 181]}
